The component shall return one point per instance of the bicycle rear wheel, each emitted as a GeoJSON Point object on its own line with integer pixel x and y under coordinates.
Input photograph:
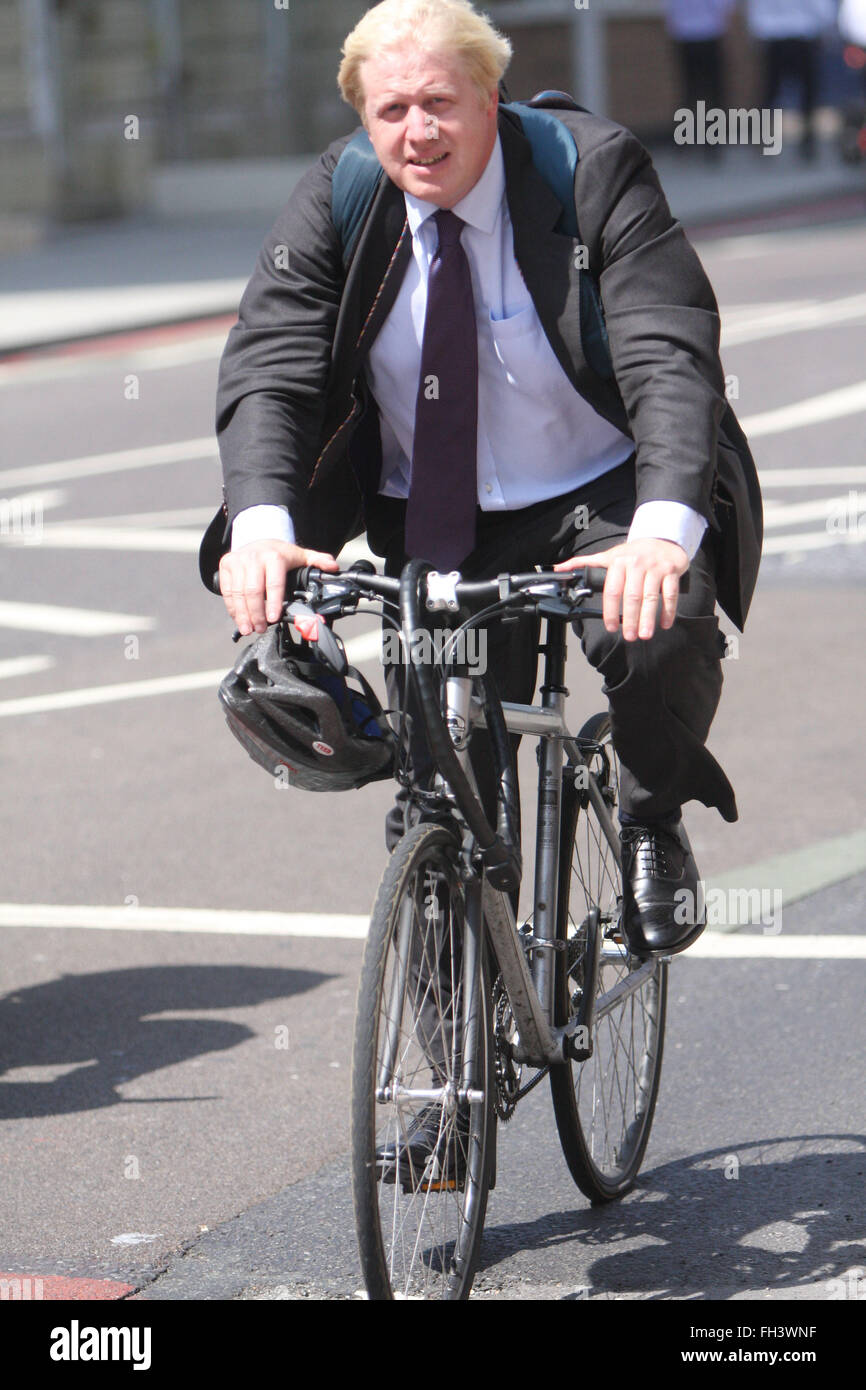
{"type": "Point", "coordinates": [422, 1071]}
{"type": "Point", "coordinates": [604, 1106]}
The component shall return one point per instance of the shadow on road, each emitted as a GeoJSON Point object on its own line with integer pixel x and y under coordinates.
{"type": "Point", "coordinates": [773, 1213]}
{"type": "Point", "coordinates": [102, 1028]}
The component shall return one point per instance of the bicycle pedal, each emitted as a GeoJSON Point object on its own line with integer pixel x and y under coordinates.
{"type": "Point", "coordinates": [437, 1185]}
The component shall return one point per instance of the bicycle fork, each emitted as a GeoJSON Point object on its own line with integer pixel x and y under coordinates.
{"type": "Point", "coordinates": [465, 1033]}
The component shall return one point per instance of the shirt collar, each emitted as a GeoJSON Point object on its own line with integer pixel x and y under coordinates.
{"type": "Point", "coordinates": [480, 208]}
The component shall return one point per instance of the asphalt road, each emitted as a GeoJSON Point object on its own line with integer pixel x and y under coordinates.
{"type": "Point", "coordinates": [175, 1102]}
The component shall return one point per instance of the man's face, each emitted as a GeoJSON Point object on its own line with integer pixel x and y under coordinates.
{"type": "Point", "coordinates": [431, 133]}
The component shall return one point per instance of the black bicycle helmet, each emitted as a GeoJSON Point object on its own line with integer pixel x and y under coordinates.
{"type": "Point", "coordinates": [291, 712]}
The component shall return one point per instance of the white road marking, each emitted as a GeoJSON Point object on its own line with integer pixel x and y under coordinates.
{"type": "Point", "coordinates": [184, 516]}
{"type": "Point", "coordinates": [738, 248]}
{"type": "Point", "coordinates": [350, 927]}
{"type": "Point", "coordinates": [793, 319]}
{"type": "Point", "coordinates": [107, 694]}
{"type": "Point", "coordinates": [738, 946]}
{"type": "Point", "coordinates": [811, 477]}
{"type": "Point", "coordinates": [44, 500]}
{"type": "Point", "coordinates": [841, 509]}
{"type": "Point", "coordinates": [72, 622]}
{"type": "Point", "coordinates": [24, 665]}
{"type": "Point", "coordinates": [810, 540]}
{"type": "Point", "coordinates": [749, 313]}
{"type": "Point", "coordinates": [221, 921]}
{"type": "Point", "coordinates": [832, 405]}
{"type": "Point", "coordinates": [784, 238]}
{"type": "Point", "coordinates": [199, 349]}
{"type": "Point", "coordinates": [69, 536]}
{"type": "Point", "coordinates": [119, 461]}
{"type": "Point", "coordinates": [365, 647]}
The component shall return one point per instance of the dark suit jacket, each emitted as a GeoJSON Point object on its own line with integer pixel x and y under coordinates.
{"type": "Point", "coordinates": [292, 391]}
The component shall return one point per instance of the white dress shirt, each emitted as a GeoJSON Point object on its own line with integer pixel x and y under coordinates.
{"type": "Point", "coordinates": [537, 437]}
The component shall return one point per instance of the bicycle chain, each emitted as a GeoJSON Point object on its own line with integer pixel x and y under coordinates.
{"type": "Point", "coordinates": [507, 1074]}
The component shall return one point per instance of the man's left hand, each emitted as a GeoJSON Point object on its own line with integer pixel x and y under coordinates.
{"type": "Point", "coordinates": [638, 572]}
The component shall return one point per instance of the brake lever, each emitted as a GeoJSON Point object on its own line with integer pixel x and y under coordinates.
{"type": "Point", "coordinates": [312, 627]}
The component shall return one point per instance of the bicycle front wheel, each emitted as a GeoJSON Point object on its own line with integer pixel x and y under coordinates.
{"type": "Point", "coordinates": [423, 1123]}
{"type": "Point", "coordinates": [604, 1106]}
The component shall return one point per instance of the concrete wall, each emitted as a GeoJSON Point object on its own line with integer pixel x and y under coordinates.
{"type": "Point", "coordinates": [217, 80]}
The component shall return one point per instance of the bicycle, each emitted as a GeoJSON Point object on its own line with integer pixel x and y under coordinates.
{"type": "Point", "coordinates": [457, 1002]}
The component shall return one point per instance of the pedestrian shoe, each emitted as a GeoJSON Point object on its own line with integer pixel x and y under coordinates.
{"type": "Point", "coordinates": [430, 1156]}
{"type": "Point", "coordinates": [662, 910]}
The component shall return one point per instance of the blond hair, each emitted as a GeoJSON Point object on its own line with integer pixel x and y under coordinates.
{"type": "Point", "coordinates": [429, 26]}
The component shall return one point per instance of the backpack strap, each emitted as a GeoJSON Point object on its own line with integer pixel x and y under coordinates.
{"type": "Point", "coordinates": [355, 179]}
{"type": "Point", "coordinates": [554, 152]}
{"type": "Point", "coordinates": [555, 155]}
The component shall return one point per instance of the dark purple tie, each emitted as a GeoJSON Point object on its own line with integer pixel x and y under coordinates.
{"type": "Point", "coordinates": [443, 492]}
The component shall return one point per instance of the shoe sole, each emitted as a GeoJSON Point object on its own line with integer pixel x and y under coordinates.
{"type": "Point", "coordinates": [652, 952]}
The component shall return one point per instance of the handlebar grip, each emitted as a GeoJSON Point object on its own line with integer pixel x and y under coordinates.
{"type": "Point", "coordinates": [299, 579]}
{"type": "Point", "coordinates": [595, 576]}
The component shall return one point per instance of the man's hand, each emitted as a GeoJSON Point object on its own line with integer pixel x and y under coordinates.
{"type": "Point", "coordinates": [637, 573]}
{"type": "Point", "coordinates": [253, 580]}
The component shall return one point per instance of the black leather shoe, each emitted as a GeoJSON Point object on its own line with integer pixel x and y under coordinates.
{"type": "Point", "coordinates": [662, 912]}
{"type": "Point", "coordinates": [431, 1156]}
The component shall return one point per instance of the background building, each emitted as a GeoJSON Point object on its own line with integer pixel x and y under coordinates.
{"type": "Point", "coordinates": [95, 95]}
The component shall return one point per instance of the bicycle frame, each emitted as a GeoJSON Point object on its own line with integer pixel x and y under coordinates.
{"type": "Point", "coordinates": [531, 987]}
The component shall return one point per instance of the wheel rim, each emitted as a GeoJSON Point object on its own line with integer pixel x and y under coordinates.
{"type": "Point", "coordinates": [614, 1089]}
{"type": "Point", "coordinates": [427, 1224]}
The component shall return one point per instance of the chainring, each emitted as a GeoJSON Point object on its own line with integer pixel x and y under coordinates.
{"type": "Point", "coordinates": [507, 1073]}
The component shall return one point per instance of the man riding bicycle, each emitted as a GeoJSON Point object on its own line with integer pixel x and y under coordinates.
{"type": "Point", "coordinates": [433, 381]}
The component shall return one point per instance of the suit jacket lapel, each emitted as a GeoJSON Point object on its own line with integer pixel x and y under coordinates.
{"type": "Point", "coordinates": [378, 266]}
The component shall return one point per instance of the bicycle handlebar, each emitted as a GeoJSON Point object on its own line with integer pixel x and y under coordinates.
{"type": "Point", "coordinates": [499, 848]}
{"type": "Point", "coordinates": [468, 591]}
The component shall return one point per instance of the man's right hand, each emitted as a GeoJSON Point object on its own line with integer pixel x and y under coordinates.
{"type": "Point", "coordinates": [253, 580]}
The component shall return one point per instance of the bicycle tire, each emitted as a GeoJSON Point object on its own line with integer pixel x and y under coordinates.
{"type": "Point", "coordinates": [418, 1236]}
{"type": "Point", "coordinates": [604, 1106]}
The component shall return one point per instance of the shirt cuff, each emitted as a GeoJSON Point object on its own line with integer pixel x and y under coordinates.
{"type": "Point", "coordinates": [267, 522]}
{"type": "Point", "coordinates": [669, 521]}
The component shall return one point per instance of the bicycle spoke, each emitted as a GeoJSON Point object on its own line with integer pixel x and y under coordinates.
{"type": "Point", "coordinates": [604, 1106]}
